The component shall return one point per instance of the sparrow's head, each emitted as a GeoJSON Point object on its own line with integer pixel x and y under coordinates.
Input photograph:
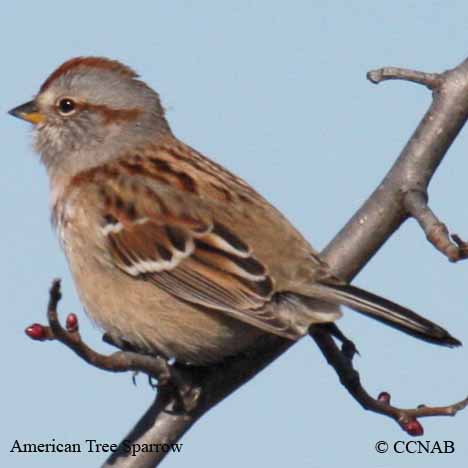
{"type": "Point", "coordinates": [90, 110]}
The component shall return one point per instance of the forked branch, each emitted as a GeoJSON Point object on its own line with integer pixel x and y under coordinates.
{"type": "Point", "coordinates": [168, 377]}
{"type": "Point", "coordinates": [349, 377]}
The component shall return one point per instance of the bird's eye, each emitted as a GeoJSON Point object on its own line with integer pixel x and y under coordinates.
{"type": "Point", "coordinates": [66, 106]}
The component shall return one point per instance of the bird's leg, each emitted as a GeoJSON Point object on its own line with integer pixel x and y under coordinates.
{"type": "Point", "coordinates": [124, 345]}
{"type": "Point", "coordinates": [176, 377]}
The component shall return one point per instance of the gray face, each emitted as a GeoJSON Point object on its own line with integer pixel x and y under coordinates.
{"type": "Point", "coordinates": [89, 113]}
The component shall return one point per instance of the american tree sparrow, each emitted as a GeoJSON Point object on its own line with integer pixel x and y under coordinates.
{"type": "Point", "coordinates": [170, 252]}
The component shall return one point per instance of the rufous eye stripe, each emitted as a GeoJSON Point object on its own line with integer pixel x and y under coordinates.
{"type": "Point", "coordinates": [109, 114]}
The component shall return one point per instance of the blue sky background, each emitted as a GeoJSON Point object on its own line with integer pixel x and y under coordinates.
{"type": "Point", "coordinates": [275, 91]}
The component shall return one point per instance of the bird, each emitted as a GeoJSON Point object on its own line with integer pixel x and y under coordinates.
{"type": "Point", "coordinates": [169, 251]}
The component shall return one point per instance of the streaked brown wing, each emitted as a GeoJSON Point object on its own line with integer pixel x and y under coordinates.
{"type": "Point", "coordinates": [172, 241]}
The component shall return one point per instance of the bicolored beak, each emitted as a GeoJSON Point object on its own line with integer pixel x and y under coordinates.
{"type": "Point", "coordinates": [28, 112]}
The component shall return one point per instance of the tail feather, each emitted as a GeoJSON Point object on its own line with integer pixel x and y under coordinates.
{"type": "Point", "coordinates": [387, 312]}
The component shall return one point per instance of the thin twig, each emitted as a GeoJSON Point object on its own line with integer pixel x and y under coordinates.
{"type": "Point", "coordinates": [415, 202]}
{"type": "Point", "coordinates": [431, 80]}
{"type": "Point", "coordinates": [120, 361]}
{"type": "Point", "coordinates": [350, 379]}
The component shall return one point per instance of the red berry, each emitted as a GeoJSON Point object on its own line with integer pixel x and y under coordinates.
{"type": "Point", "coordinates": [36, 331]}
{"type": "Point", "coordinates": [413, 428]}
{"type": "Point", "coordinates": [384, 397]}
{"type": "Point", "coordinates": [72, 323]}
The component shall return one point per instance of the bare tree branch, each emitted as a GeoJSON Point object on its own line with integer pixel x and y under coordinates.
{"type": "Point", "coordinates": [154, 366]}
{"type": "Point", "coordinates": [384, 211]}
{"type": "Point", "coordinates": [406, 418]}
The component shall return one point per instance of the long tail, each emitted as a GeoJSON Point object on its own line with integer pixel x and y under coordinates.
{"type": "Point", "coordinates": [385, 311]}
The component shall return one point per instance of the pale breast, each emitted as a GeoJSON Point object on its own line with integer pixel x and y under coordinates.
{"type": "Point", "coordinates": [133, 309]}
